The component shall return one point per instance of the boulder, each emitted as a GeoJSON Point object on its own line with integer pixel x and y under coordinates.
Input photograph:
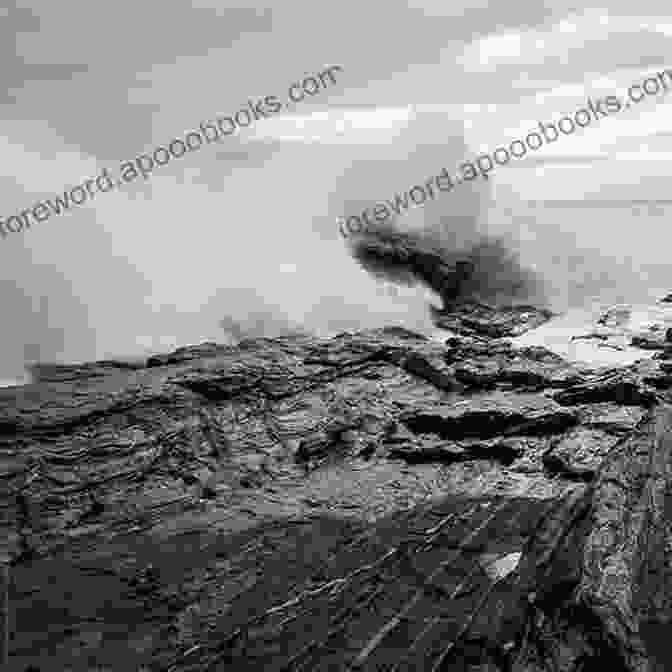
{"type": "Point", "coordinates": [478, 319]}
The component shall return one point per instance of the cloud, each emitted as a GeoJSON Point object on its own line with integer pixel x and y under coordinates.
{"type": "Point", "coordinates": [591, 40]}
{"type": "Point", "coordinates": [559, 160]}
{"type": "Point", "coordinates": [341, 126]}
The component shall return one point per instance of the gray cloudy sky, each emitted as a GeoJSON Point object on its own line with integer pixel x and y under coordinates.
{"type": "Point", "coordinates": [248, 227]}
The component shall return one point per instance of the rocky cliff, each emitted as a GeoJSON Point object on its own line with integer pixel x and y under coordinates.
{"type": "Point", "coordinates": [370, 501]}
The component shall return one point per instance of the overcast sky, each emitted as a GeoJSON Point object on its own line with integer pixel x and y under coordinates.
{"type": "Point", "coordinates": [248, 227]}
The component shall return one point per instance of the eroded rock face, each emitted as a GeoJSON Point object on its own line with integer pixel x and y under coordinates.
{"type": "Point", "coordinates": [377, 500]}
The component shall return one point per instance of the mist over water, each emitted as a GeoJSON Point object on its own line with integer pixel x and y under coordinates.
{"type": "Point", "coordinates": [264, 257]}
{"type": "Point", "coordinates": [344, 291]}
{"type": "Point", "coordinates": [600, 252]}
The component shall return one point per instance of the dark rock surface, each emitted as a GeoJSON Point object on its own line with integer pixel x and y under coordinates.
{"type": "Point", "coordinates": [478, 319]}
{"type": "Point", "coordinates": [371, 501]}
{"type": "Point", "coordinates": [654, 341]}
{"type": "Point", "coordinates": [56, 373]}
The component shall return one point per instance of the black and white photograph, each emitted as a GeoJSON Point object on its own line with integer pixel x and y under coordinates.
{"type": "Point", "coordinates": [335, 336]}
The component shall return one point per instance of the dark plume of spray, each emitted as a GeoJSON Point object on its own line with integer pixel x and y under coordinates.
{"type": "Point", "coordinates": [486, 269]}
{"type": "Point", "coordinates": [447, 245]}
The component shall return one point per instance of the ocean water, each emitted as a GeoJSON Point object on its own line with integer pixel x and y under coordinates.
{"type": "Point", "coordinates": [593, 255]}
{"type": "Point", "coordinates": [596, 251]}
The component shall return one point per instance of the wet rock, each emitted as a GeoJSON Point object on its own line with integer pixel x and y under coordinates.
{"type": "Point", "coordinates": [617, 316]}
{"type": "Point", "coordinates": [664, 353]}
{"type": "Point", "coordinates": [653, 331]}
{"type": "Point", "coordinates": [477, 319]}
{"type": "Point", "coordinates": [532, 368]}
{"type": "Point", "coordinates": [427, 450]}
{"type": "Point", "coordinates": [627, 518]}
{"type": "Point", "coordinates": [205, 480]}
{"type": "Point", "coordinates": [621, 386]}
{"type": "Point", "coordinates": [591, 337]}
{"type": "Point", "coordinates": [578, 454]}
{"type": "Point", "coordinates": [650, 341]}
{"type": "Point", "coordinates": [44, 372]}
{"type": "Point", "coordinates": [188, 354]}
{"type": "Point", "coordinates": [247, 506]}
{"type": "Point", "coordinates": [610, 417]}
{"type": "Point", "coordinates": [432, 369]}
{"type": "Point", "coordinates": [314, 446]}
{"type": "Point", "coordinates": [625, 327]}
{"type": "Point", "coordinates": [491, 415]}
{"type": "Point", "coordinates": [430, 451]}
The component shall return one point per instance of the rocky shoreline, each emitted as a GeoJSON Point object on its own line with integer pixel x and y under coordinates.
{"type": "Point", "coordinates": [370, 501]}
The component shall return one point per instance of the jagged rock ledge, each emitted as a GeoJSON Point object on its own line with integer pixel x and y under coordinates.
{"type": "Point", "coordinates": [472, 318]}
{"type": "Point", "coordinates": [370, 501]}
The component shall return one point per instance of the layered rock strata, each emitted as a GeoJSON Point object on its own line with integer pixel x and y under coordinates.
{"type": "Point", "coordinates": [371, 501]}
